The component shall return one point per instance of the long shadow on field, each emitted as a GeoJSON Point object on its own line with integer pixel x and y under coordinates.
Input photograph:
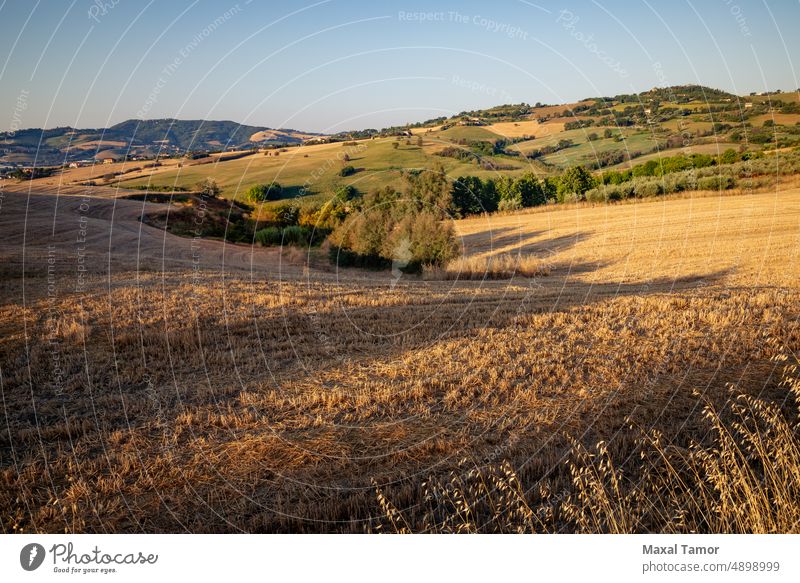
{"type": "Point", "coordinates": [496, 237]}
{"type": "Point", "coordinates": [550, 247]}
{"type": "Point", "coordinates": [512, 241]}
{"type": "Point", "coordinates": [223, 399]}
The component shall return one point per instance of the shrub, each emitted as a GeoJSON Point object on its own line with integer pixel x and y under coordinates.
{"type": "Point", "coordinates": [269, 237]}
{"type": "Point", "coordinates": [470, 195]}
{"type": "Point", "coordinates": [391, 232]}
{"type": "Point", "coordinates": [599, 194]}
{"type": "Point", "coordinates": [347, 171]}
{"type": "Point", "coordinates": [509, 204]}
{"type": "Point", "coordinates": [208, 187]}
{"type": "Point", "coordinates": [295, 235]}
{"type": "Point", "coordinates": [646, 189]}
{"type": "Point", "coordinates": [716, 183]}
{"type": "Point", "coordinates": [345, 192]}
{"type": "Point", "coordinates": [287, 215]}
{"type": "Point", "coordinates": [290, 236]}
{"type": "Point", "coordinates": [264, 192]}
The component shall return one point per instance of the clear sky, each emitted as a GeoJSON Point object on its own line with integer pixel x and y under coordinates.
{"type": "Point", "coordinates": [332, 65]}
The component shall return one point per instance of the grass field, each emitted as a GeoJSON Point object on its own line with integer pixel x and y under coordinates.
{"type": "Point", "coordinates": [787, 119]}
{"type": "Point", "coordinates": [378, 163]}
{"type": "Point", "coordinates": [584, 151]}
{"type": "Point", "coordinates": [279, 400]}
{"type": "Point", "coordinates": [469, 133]}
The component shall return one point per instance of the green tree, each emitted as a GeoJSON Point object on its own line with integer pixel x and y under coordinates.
{"type": "Point", "coordinates": [471, 195]}
{"type": "Point", "coordinates": [509, 198]}
{"type": "Point", "coordinates": [263, 192]}
{"type": "Point", "coordinates": [345, 192]}
{"type": "Point", "coordinates": [574, 184]}
{"type": "Point", "coordinates": [428, 189]}
{"type": "Point", "coordinates": [529, 191]}
{"type": "Point", "coordinates": [466, 195]}
{"type": "Point", "coordinates": [550, 188]}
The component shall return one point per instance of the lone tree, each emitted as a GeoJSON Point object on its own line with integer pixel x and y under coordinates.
{"type": "Point", "coordinates": [264, 192]}
{"type": "Point", "coordinates": [209, 188]}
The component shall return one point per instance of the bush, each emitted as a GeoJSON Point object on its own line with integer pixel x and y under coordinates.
{"type": "Point", "coordinates": [600, 194]}
{"type": "Point", "coordinates": [295, 235]}
{"type": "Point", "coordinates": [509, 204]}
{"type": "Point", "coordinates": [389, 233]}
{"type": "Point", "coordinates": [209, 188]}
{"type": "Point", "coordinates": [647, 189]}
{"type": "Point", "coordinates": [290, 236]}
{"type": "Point", "coordinates": [347, 171]}
{"type": "Point", "coordinates": [456, 153]}
{"type": "Point", "coordinates": [287, 215]}
{"type": "Point", "coordinates": [716, 183]}
{"type": "Point", "coordinates": [264, 192]}
{"type": "Point", "coordinates": [610, 193]}
{"type": "Point", "coordinates": [269, 237]}
{"type": "Point", "coordinates": [678, 183]}
{"type": "Point", "coordinates": [345, 192]}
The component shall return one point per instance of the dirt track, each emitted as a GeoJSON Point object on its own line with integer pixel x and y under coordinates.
{"type": "Point", "coordinates": [105, 233]}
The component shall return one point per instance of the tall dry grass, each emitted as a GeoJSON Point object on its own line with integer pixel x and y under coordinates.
{"type": "Point", "coordinates": [745, 478]}
{"type": "Point", "coordinates": [173, 400]}
{"type": "Point", "coordinates": [503, 266]}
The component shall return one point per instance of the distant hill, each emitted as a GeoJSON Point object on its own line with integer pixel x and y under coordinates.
{"type": "Point", "coordinates": [670, 115]}
{"type": "Point", "coordinates": [137, 138]}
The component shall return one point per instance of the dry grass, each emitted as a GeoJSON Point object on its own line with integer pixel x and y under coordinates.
{"type": "Point", "coordinates": [504, 266]}
{"type": "Point", "coordinates": [209, 401]}
{"type": "Point", "coordinates": [753, 238]}
{"type": "Point", "coordinates": [743, 478]}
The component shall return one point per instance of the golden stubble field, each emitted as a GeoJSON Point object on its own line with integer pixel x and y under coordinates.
{"type": "Point", "coordinates": [219, 401]}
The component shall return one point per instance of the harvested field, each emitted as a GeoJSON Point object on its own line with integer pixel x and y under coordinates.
{"type": "Point", "coordinates": [250, 396]}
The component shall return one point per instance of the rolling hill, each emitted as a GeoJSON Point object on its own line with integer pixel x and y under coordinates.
{"type": "Point", "coordinates": [134, 137]}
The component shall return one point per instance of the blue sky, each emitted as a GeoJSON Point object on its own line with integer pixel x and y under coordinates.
{"type": "Point", "coordinates": [334, 65]}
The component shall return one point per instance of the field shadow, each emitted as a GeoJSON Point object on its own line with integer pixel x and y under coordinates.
{"type": "Point", "coordinates": [554, 246]}
{"type": "Point", "coordinates": [461, 310]}
{"type": "Point", "coordinates": [288, 192]}
{"type": "Point", "coordinates": [509, 240]}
